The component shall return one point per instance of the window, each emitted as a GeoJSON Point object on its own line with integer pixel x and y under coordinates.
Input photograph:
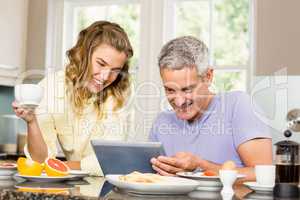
{"type": "Point", "coordinates": [224, 26]}
{"type": "Point", "coordinates": [127, 15]}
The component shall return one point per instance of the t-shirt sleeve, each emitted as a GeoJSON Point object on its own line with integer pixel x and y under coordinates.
{"type": "Point", "coordinates": [246, 124]}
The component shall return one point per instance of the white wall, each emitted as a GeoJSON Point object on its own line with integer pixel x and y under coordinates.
{"type": "Point", "coordinates": [276, 95]}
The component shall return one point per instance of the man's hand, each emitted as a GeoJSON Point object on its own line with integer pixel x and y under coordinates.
{"type": "Point", "coordinates": [169, 166]}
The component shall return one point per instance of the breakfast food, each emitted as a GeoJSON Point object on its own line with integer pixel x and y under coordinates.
{"type": "Point", "coordinates": [210, 173]}
{"type": "Point", "coordinates": [229, 165]}
{"type": "Point", "coordinates": [28, 167]}
{"type": "Point", "coordinates": [52, 167]}
{"type": "Point", "coordinates": [138, 177]}
{"type": "Point", "coordinates": [55, 167]}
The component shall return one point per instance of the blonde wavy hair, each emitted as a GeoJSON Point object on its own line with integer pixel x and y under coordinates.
{"type": "Point", "coordinates": [78, 71]}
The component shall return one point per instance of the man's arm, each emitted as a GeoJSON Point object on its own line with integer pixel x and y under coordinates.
{"type": "Point", "coordinates": [252, 152]}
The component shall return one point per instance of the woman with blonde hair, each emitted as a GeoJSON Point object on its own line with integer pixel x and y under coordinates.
{"type": "Point", "coordinates": [88, 100]}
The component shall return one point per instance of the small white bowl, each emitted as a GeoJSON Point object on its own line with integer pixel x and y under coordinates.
{"type": "Point", "coordinates": [7, 169]}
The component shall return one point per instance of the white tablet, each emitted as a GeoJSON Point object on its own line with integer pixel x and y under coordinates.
{"type": "Point", "coordinates": [117, 157]}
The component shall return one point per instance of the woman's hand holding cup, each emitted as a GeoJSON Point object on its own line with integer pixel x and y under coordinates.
{"type": "Point", "coordinates": [25, 113]}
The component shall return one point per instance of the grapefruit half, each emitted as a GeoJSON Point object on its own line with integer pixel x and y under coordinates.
{"type": "Point", "coordinates": [29, 167]}
{"type": "Point", "coordinates": [55, 167]}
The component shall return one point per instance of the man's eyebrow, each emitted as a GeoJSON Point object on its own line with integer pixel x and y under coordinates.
{"type": "Point", "coordinates": [166, 87]}
{"type": "Point", "coordinates": [189, 87]}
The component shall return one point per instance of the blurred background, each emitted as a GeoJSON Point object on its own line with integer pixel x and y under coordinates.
{"type": "Point", "coordinates": [253, 47]}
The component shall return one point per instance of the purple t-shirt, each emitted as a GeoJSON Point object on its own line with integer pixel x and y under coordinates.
{"type": "Point", "coordinates": [228, 122]}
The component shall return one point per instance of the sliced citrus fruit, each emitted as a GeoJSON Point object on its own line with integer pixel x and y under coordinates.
{"type": "Point", "coordinates": [28, 167]}
{"type": "Point", "coordinates": [55, 167]}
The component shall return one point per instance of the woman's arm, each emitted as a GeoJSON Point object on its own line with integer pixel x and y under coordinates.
{"type": "Point", "coordinates": [36, 144]}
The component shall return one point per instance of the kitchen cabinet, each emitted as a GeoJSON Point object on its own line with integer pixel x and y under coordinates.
{"type": "Point", "coordinates": [277, 40]}
{"type": "Point", "coordinates": [13, 35]}
{"type": "Point", "coordinates": [23, 39]}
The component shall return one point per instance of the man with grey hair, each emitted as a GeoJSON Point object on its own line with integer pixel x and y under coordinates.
{"type": "Point", "coordinates": [204, 129]}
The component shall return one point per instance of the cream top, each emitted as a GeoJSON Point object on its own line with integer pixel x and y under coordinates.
{"type": "Point", "coordinates": [60, 125]}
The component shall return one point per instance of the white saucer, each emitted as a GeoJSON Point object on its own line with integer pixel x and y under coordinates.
{"type": "Point", "coordinates": [259, 188]}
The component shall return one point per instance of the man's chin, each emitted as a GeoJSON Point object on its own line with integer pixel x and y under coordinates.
{"type": "Point", "coordinates": [184, 116]}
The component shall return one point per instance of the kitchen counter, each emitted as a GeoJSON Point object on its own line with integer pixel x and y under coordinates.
{"type": "Point", "coordinates": [91, 188]}
{"type": "Point", "coordinates": [84, 189]}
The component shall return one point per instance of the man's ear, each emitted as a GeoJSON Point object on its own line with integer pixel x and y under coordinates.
{"type": "Point", "coordinates": [209, 76]}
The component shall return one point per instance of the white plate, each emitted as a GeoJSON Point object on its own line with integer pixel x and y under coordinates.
{"type": "Point", "coordinates": [45, 178]}
{"type": "Point", "coordinates": [205, 195]}
{"type": "Point", "coordinates": [208, 183]}
{"type": "Point", "coordinates": [201, 176]}
{"type": "Point", "coordinates": [209, 188]}
{"type": "Point", "coordinates": [4, 178]}
{"type": "Point", "coordinates": [259, 188]}
{"type": "Point", "coordinates": [78, 173]}
{"type": "Point", "coordinates": [170, 185]}
{"type": "Point", "coordinates": [7, 170]}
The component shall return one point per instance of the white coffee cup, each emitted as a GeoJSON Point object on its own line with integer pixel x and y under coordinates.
{"type": "Point", "coordinates": [28, 94]}
{"type": "Point", "coordinates": [265, 174]}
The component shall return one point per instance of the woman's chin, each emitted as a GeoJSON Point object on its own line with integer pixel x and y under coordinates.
{"type": "Point", "coordinates": [95, 89]}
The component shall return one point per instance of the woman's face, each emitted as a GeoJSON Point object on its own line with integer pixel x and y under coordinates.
{"type": "Point", "coordinates": [107, 63]}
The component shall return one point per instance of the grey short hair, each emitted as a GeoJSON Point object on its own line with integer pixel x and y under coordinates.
{"type": "Point", "coordinates": [186, 51]}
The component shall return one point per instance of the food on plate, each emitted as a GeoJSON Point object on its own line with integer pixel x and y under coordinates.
{"type": "Point", "coordinates": [210, 173]}
{"type": "Point", "coordinates": [138, 177]}
{"type": "Point", "coordinates": [229, 165]}
{"type": "Point", "coordinates": [55, 167]}
{"type": "Point", "coordinates": [28, 167]}
{"type": "Point", "coordinates": [8, 165]}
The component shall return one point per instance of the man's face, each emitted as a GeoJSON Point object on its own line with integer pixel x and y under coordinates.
{"type": "Point", "coordinates": [186, 91]}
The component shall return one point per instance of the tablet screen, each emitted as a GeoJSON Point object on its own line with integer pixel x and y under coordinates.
{"type": "Point", "coordinates": [125, 157]}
